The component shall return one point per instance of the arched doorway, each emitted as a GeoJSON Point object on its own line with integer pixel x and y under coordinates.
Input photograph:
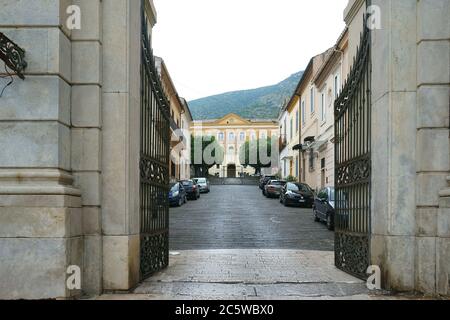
{"type": "Point", "coordinates": [231, 171]}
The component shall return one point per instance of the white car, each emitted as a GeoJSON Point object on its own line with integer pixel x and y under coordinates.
{"type": "Point", "coordinates": [203, 183]}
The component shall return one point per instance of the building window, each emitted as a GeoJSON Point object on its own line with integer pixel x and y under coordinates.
{"type": "Point", "coordinates": [311, 160]}
{"type": "Point", "coordinates": [221, 136]}
{"type": "Point", "coordinates": [312, 99]}
{"type": "Point", "coordinates": [231, 151]}
{"type": "Point", "coordinates": [263, 136]}
{"type": "Point", "coordinates": [297, 121]}
{"type": "Point", "coordinates": [291, 131]}
{"type": "Point", "coordinates": [304, 170]}
{"type": "Point", "coordinates": [323, 179]}
{"type": "Point", "coordinates": [242, 136]}
{"type": "Point", "coordinates": [337, 86]}
{"type": "Point", "coordinates": [303, 113]}
{"type": "Point", "coordinates": [296, 166]}
{"type": "Point", "coordinates": [322, 107]}
{"type": "Point", "coordinates": [231, 136]}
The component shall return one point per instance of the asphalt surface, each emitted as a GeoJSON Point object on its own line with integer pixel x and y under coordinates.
{"type": "Point", "coordinates": [240, 217]}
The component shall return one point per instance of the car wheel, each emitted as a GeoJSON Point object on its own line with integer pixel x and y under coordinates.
{"type": "Point", "coordinates": [281, 200]}
{"type": "Point", "coordinates": [285, 202]}
{"type": "Point", "coordinates": [316, 218]}
{"type": "Point", "coordinates": [330, 223]}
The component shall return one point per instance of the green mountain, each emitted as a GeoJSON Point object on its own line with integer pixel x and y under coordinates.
{"type": "Point", "coordinates": [260, 103]}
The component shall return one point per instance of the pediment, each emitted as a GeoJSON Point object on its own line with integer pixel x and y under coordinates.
{"type": "Point", "coordinates": [232, 119]}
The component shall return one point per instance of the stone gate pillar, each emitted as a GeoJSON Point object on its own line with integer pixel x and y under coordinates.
{"type": "Point", "coordinates": [121, 142]}
{"type": "Point", "coordinates": [40, 209]}
{"type": "Point", "coordinates": [410, 145]}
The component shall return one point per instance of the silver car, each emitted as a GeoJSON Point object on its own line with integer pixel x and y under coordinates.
{"type": "Point", "coordinates": [203, 183]}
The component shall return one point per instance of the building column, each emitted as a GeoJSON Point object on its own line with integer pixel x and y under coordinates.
{"type": "Point", "coordinates": [87, 134]}
{"type": "Point", "coordinates": [40, 209]}
{"type": "Point", "coordinates": [121, 143]}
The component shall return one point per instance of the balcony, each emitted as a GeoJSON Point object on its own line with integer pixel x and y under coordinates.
{"type": "Point", "coordinates": [282, 142]}
{"type": "Point", "coordinates": [177, 135]}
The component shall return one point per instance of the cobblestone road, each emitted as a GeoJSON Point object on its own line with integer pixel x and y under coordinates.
{"type": "Point", "coordinates": [235, 244]}
{"type": "Point", "coordinates": [239, 217]}
{"type": "Point", "coordinates": [252, 274]}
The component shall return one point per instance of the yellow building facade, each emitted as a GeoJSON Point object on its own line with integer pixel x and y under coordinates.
{"type": "Point", "coordinates": [231, 132]}
{"type": "Point", "coordinates": [180, 122]}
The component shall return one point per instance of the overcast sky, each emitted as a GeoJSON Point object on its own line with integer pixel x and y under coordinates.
{"type": "Point", "coordinates": [216, 46]}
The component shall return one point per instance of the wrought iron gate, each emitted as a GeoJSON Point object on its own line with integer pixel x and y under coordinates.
{"type": "Point", "coordinates": [154, 163]}
{"type": "Point", "coordinates": [353, 165]}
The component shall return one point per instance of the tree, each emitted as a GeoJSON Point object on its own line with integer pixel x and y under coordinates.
{"type": "Point", "coordinates": [206, 152]}
{"type": "Point", "coordinates": [253, 154]}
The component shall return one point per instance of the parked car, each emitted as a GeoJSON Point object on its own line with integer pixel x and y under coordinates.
{"type": "Point", "coordinates": [323, 207]}
{"type": "Point", "coordinates": [177, 195]}
{"type": "Point", "coordinates": [204, 185]}
{"type": "Point", "coordinates": [264, 180]}
{"type": "Point", "coordinates": [297, 194]}
{"type": "Point", "coordinates": [192, 189]}
{"type": "Point", "coordinates": [273, 188]}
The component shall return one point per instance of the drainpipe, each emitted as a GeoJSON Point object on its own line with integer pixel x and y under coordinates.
{"type": "Point", "coordinates": [341, 79]}
{"type": "Point", "coordinates": [299, 135]}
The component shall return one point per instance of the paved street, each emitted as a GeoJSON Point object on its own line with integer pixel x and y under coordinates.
{"type": "Point", "coordinates": [235, 244]}
{"type": "Point", "coordinates": [247, 274]}
{"type": "Point", "coordinates": [239, 217]}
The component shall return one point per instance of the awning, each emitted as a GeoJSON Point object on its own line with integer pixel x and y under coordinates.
{"type": "Point", "coordinates": [319, 144]}
{"type": "Point", "coordinates": [316, 145]}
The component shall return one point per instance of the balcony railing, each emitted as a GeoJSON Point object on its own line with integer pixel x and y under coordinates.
{"type": "Point", "coordinates": [176, 130]}
{"type": "Point", "coordinates": [282, 142]}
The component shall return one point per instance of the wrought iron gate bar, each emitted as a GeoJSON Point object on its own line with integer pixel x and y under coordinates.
{"type": "Point", "coordinates": [155, 233]}
{"type": "Point", "coordinates": [154, 163]}
{"type": "Point", "coordinates": [353, 165]}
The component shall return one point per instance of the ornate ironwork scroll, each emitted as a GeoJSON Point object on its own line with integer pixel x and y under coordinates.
{"type": "Point", "coordinates": [353, 165]}
{"type": "Point", "coordinates": [154, 163]}
{"type": "Point", "coordinates": [12, 55]}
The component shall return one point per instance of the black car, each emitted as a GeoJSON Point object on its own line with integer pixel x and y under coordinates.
{"type": "Point", "coordinates": [264, 180]}
{"type": "Point", "coordinates": [297, 194]}
{"type": "Point", "coordinates": [177, 195]}
{"type": "Point", "coordinates": [323, 207]}
{"type": "Point", "coordinates": [273, 188]}
{"type": "Point", "coordinates": [192, 189]}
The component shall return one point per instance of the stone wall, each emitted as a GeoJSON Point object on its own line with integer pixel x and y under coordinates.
{"type": "Point", "coordinates": [410, 97]}
{"type": "Point", "coordinates": [41, 231]}
{"type": "Point", "coordinates": [69, 135]}
{"type": "Point", "coordinates": [87, 83]}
